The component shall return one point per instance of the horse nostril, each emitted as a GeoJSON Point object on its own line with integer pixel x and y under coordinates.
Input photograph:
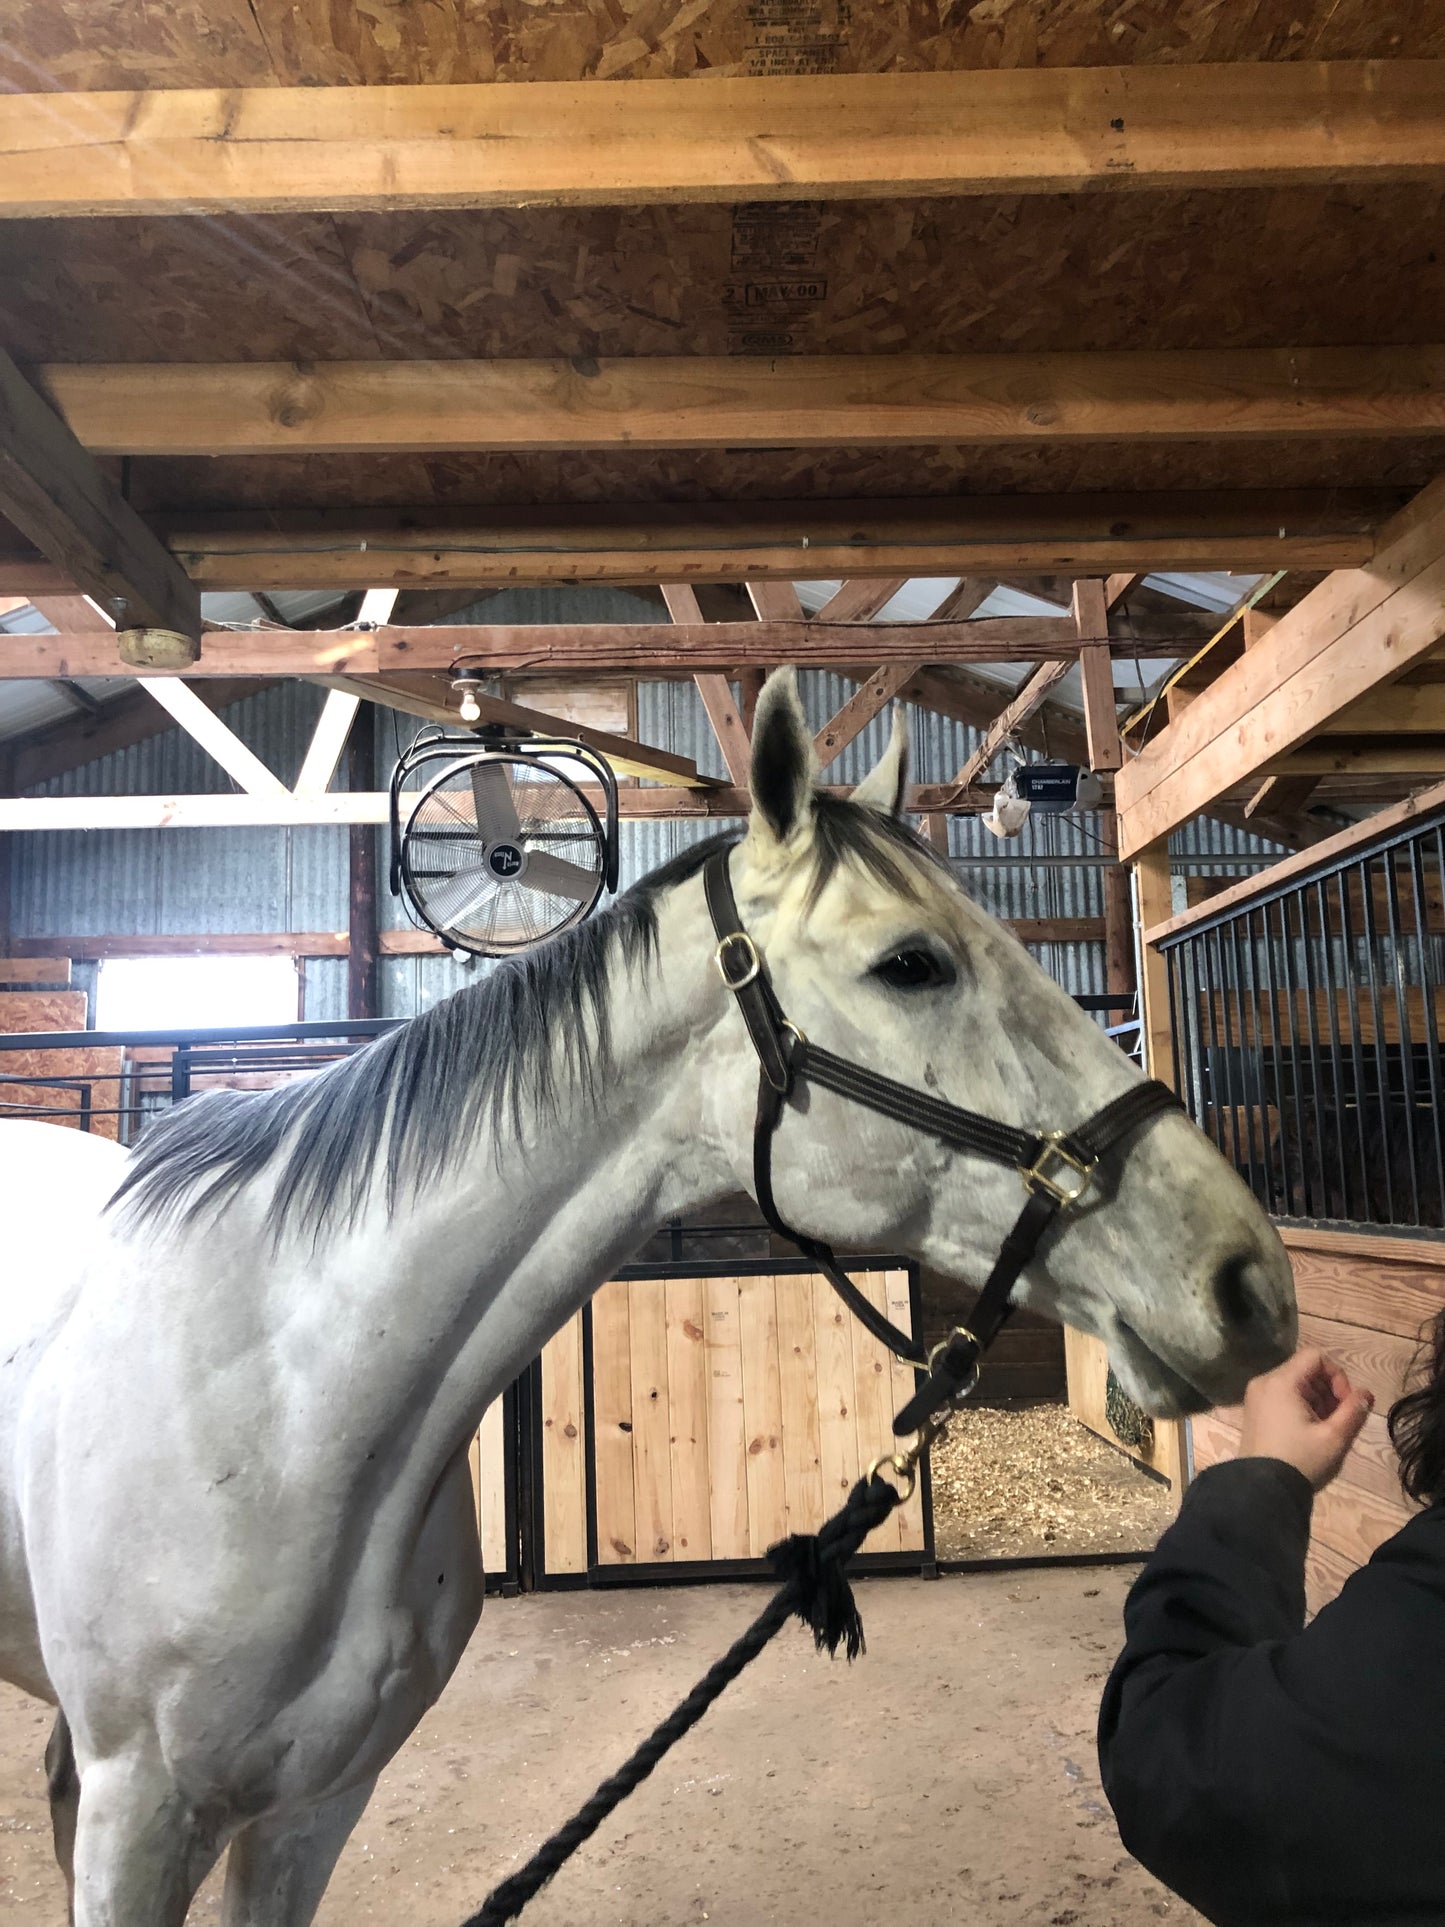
{"type": "Point", "coordinates": [1240, 1301]}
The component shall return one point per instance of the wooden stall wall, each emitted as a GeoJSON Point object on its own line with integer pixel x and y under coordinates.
{"type": "Point", "coordinates": [76, 1073]}
{"type": "Point", "coordinates": [1364, 1299]}
{"type": "Point", "coordinates": [726, 1412]}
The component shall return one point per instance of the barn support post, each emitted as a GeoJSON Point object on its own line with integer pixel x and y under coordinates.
{"type": "Point", "coordinates": [361, 985]}
{"type": "Point", "coordinates": [1118, 912]}
{"type": "Point", "coordinates": [1166, 1450]}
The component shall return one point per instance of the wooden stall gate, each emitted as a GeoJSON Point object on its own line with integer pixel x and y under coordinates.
{"type": "Point", "coordinates": [682, 1423]}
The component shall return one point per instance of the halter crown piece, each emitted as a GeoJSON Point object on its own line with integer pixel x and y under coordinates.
{"type": "Point", "coordinates": [1057, 1167]}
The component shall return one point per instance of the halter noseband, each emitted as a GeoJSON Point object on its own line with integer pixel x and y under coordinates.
{"type": "Point", "coordinates": [1057, 1167]}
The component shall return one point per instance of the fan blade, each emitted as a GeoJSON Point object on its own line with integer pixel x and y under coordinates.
{"type": "Point", "coordinates": [476, 899]}
{"type": "Point", "coordinates": [557, 877]}
{"type": "Point", "coordinates": [496, 810]}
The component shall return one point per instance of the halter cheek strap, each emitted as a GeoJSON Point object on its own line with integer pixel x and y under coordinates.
{"type": "Point", "coordinates": [1056, 1167]}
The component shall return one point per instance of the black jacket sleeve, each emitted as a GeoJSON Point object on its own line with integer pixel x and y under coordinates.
{"type": "Point", "coordinates": [1267, 1772]}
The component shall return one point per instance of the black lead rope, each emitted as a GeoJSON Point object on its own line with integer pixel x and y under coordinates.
{"type": "Point", "coordinates": [814, 1590]}
{"type": "Point", "coordinates": [1056, 1168]}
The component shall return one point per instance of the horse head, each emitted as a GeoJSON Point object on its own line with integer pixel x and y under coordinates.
{"type": "Point", "coordinates": [876, 953]}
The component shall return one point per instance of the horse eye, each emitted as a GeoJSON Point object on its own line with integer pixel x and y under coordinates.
{"type": "Point", "coordinates": [914, 970]}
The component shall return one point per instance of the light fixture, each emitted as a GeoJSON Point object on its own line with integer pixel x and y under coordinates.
{"type": "Point", "coordinates": [464, 684]}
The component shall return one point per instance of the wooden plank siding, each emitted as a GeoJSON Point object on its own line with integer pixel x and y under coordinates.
{"type": "Point", "coordinates": [727, 1413]}
{"type": "Point", "coordinates": [1365, 1300]}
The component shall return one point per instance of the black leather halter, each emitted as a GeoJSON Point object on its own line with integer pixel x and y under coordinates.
{"type": "Point", "coordinates": [1057, 1167]}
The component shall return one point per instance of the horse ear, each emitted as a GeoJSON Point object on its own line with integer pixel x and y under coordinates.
{"type": "Point", "coordinates": [886, 784]}
{"type": "Point", "coordinates": [784, 763]}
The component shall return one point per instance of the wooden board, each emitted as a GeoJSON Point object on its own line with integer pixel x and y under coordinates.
{"type": "Point", "coordinates": [873, 1402]}
{"type": "Point", "coordinates": [833, 1329]}
{"type": "Point", "coordinates": [32, 971]}
{"type": "Point", "coordinates": [726, 1423]}
{"type": "Point", "coordinates": [489, 1472]}
{"type": "Point", "coordinates": [762, 1413]}
{"type": "Point", "coordinates": [1087, 1362]}
{"type": "Point", "coordinates": [798, 1380]}
{"type": "Point", "coordinates": [903, 1383]}
{"type": "Point", "coordinates": [687, 1389]}
{"type": "Point", "coordinates": [612, 1422]}
{"type": "Point", "coordinates": [564, 1456]}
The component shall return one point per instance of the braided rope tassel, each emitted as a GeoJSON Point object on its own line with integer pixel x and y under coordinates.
{"type": "Point", "coordinates": [815, 1590]}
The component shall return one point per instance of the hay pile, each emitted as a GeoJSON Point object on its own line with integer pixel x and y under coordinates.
{"type": "Point", "coordinates": [1034, 1481]}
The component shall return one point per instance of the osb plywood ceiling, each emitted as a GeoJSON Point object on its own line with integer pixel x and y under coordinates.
{"type": "Point", "coordinates": [75, 44]}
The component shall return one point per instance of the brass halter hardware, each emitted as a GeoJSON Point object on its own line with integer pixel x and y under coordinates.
{"type": "Point", "coordinates": [1051, 1169]}
{"type": "Point", "coordinates": [740, 941]}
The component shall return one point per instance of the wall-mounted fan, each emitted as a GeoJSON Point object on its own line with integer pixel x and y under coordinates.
{"type": "Point", "coordinates": [501, 846]}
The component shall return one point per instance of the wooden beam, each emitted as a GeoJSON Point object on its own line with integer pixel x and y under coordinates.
{"type": "Point", "coordinates": [860, 601]}
{"type": "Point", "coordinates": [750, 687]}
{"type": "Point", "coordinates": [1333, 755]}
{"type": "Point", "coordinates": [682, 603]}
{"type": "Point", "coordinates": [861, 707]}
{"type": "Point", "coordinates": [52, 491]}
{"type": "Point", "coordinates": [328, 740]}
{"type": "Point", "coordinates": [1154, 899]}
{"type": "Point", "coordinates": [430, 698]}
{"type": "Point", "coordinates": [1356, 839]}
{"type": "Point", "coordinates": [1119, 972]}
{"type": "Point", "coordinates": [978, 538]}
{"type": "Point", "coordinates": [965, 596]}
{"type": "Point", "coordinates": [344, 806]}
{"type": "Point", "coordinates": [641, 648]}
{"type": "Point", "coordinates": [727, 725]}
{"type": "Point", "coordinates": [1010, 720]}
{"type": "Point", "coordinates": [218, 740]}
{"type": "Point", "coordinates": [775, 601]}
{"type": "Point", "coordinates": [260, 943]}
{"type": "Point", "coordinates": [1358, 630]}
{"type": "Point", "coordinates": [1400, 709]}
{"type": "Point", "coordinates": [793, 401]}
{"type": "Point", "coordinates": [1116, 587]}
{"type": "Point", "coordinates": [1030, 130]}
{"type": "Point", "coordinates": [1096, 672]}
{"type": "Point", "coordinates": [1281, 796]}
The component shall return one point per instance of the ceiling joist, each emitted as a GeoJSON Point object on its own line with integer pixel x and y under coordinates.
{"type": "Point", "coordinates": [558, 144]}
{"type": "Point", "coordinates": [52, 490]}
{"type": "Point", "coordinates": [704, 401]}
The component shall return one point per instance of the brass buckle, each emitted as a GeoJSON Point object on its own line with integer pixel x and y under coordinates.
{"type": "Point", "coordinates": [1049, 1171]}
{"type": "Point", "coordinates": [754, 967]}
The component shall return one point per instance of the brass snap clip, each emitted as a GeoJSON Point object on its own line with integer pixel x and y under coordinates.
{"type": "Point", "coordinates": [1057, 1171]}
{"type": "Point", "coordinates": [741, 943]}
{"type": "Point", "coordinates": [904, 1465]}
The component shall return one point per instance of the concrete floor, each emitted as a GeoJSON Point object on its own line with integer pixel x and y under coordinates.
{"type": "Point", "coordinates": [947, 1777]}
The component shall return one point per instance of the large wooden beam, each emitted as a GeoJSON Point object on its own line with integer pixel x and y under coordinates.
{"type": "Point", "coordinates": [1096, 673]}
{"type": "Point", "coordinates": [53, 492]}
{"type": "Point", "coordinates": [860, 601]}
{"type": "Point", "coordinates": [980, 538]}
{"type": "Point", "coordinates": [793, 401]}
{"type": "Point", "coordinates": [732, 735]}
{"type": "Point", "coordinates": [360, 806]}
{"type": "Point", "coordinates": [1358, 630]}
{"type": "Point", "coordinates": [560, 143]}
{"type": "Point", "coordinates": [641, 648]}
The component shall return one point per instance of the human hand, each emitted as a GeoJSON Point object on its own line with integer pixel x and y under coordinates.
{"type": "Point", "coordinates": [1305, 1412]}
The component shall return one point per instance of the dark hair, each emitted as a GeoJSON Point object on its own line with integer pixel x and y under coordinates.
{"type": "Point", "coordinates": [1417, 1421]}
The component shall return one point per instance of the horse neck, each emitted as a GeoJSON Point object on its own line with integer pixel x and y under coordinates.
{"type": "Point", "coordinates": [500, 1254]}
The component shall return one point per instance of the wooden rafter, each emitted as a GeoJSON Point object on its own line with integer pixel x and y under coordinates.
{"type": "Point", "coordinates": [1010, 720]}
{"type": "Point", "coordinates": [860, 601]}
{"type": "Point", "coordinates": [1357, 631]}
{"type": "Point", "coordinates": [1116, 587]}
{"type": "Point", "coordinates": [217, 738]}
{"type": "Point", "coordinates": [861, 707]}
{"type": "Point", "coordinates": [980, 538]}
{"type": "Point", "coordinates": [560, 143]}
{"type": "Point", "coordinates": [1281, 796]}
{"type": "Point", "coordinates": [52, 490]}
{"type": "Point", "coordinates": [775, 601]}
{"type": "Point", "coordinates": [430, 698]}
{"type": "Point", "coordinates": [803, 401]}
{"type": "Point", "coordinates": [733, 737]}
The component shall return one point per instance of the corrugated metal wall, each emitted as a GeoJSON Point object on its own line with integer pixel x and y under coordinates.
{"type": "Point", "coordinates": [185, 881]}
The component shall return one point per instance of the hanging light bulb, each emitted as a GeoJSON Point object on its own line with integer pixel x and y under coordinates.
{"type": "Point", "coordinates": [465, 685]}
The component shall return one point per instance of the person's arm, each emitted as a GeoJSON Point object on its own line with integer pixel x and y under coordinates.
{"type": "Point", "coordinates": [1190, 1730]}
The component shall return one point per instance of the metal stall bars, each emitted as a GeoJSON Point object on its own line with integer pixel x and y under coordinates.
{"type": "Point", "coordinates": [1307, 1019]}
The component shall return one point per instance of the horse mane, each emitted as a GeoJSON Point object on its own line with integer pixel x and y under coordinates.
{"type": "Point", "coordinates": [412, 1102]}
